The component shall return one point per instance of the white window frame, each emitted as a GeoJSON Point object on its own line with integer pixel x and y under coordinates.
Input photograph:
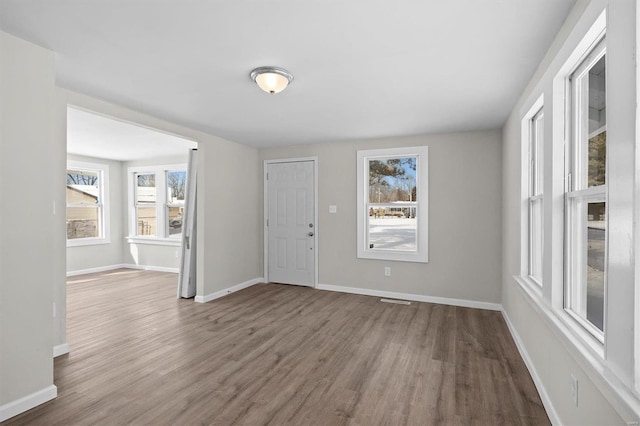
{"type": "Point", "coordinates": [161, 205]}
{"type": "Point", "coordinates": [104, 230]}
{"type": "Point", "coordinates": [532, 189]}
{"type": "Point", "coordinates": [363, 250]}
{"type": "Point", "coordinates": [579, 193]}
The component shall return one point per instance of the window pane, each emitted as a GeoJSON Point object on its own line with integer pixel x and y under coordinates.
{"type": "Point", "coordinates": [146, 188]}
{"type": "Point", "coordinates": [597, 159]}
{"type": "Point", "coordinates": [393, 228]}
{"type": "Point", "coordinates": [537, 135]}
{"type": "Point", "coordinates": [83, 187]}
{"type": "Point", "coordinates": [595, 270]}
{"type": "Point", "coordinates": [597, 124]}
{"type": "Point", "coordinates": [82, 222]}
{"type": "Point", "coordinates": [392, 180]}
{"type": "Point", "coordinates": [535, 240]}
{"type": "Point", "coordinates": [176, 185]}
{"type": "Point", "coordinates": [147, 221]}
{"type": "Point", "coordinates": [174, 217]}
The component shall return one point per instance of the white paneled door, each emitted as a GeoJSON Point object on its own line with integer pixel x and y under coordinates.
{"type": "Point", "coordinates": [291, 223]}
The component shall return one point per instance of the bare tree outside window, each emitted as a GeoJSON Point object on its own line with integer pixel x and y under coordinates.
{"type": "Point", "coordinates": [78, 177]}
{"type": "Point", "coordinates": [177, 184]}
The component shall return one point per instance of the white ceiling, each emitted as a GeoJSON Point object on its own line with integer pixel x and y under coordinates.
{"type": "Point", "coordinates": [102, 137]}
{"type": "Point", "coordinates": [363, 68]}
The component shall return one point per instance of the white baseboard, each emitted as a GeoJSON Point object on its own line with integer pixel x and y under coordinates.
{"type": "Point", "coordinates": [414, 297]}
{"type": "Point", "coordinates": [62, 349]}
{"type": "Point", "coordinates": [229, 290]}
{"type": "Point", "coordinates": [544, 396]}
{"type": "Point", "coordinates": [120, 266]}
{"type": "Point", "coordinates": [151, 268]}
{"type": "Point", "coordinates": [93, 270]}
{"type": "Point", "coordinates": [25, 403]}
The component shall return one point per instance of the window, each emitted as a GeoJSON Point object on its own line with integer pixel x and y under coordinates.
{"type": "Point", "coordinates": [535, 202]}
{"type": "Point", "coordinates": [158, 201]}
{"type": "Point", "coordinates": [586, 273]}
{"type": "Point", "coordinates": [392, 204]}
{"type": "Point", "coordinates": [86, 194]}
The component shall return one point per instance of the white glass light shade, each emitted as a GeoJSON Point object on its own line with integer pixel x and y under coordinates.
{"type": "Point", "coordinates": [271, 79]}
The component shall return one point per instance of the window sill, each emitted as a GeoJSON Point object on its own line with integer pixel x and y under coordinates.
{"type": "Point", "coordinates": [564, 322]}
{"type": "Point", "coordinates": [174, 242]}
{"type": "Point", "coordinates": [533, 287]}
{"type": "Point", "coordinates": [88, 242]}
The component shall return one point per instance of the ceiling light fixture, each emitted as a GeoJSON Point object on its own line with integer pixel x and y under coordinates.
{"type": "Point", "coordinates": [271, 79]}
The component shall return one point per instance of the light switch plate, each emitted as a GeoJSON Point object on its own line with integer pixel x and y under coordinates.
{"type": "Point", "coordinates": [333, 209]}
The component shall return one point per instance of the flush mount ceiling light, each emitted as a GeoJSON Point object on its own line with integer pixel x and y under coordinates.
{"type": "Point", "coordinates": [271, 79]}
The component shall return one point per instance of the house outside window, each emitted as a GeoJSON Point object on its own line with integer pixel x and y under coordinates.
{"type": "Point", "coordinates": [86, 212]}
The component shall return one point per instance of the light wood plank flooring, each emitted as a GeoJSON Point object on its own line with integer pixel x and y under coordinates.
{"type": "Point", "coordinates": [278, 354]}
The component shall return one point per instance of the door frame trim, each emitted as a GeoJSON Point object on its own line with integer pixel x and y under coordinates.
{"type": "Point", "coordinates": [265, 215]}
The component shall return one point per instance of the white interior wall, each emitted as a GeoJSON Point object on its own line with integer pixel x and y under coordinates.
{"type": "Point", "coordinates": [31, 231]}
{"type": "Point", "coordinates": [59, 163]}
{"type": "Point", "coordinates": [464, 217]}
{"type": "Point", "coordinates": [552, 351]}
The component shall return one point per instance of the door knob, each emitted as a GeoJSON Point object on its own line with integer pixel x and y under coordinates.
{"type": "Point", "coordinates": [310, 234]}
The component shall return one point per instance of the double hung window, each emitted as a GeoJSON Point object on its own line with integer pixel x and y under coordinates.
{"type": "Point", "coordinates": [86, 193]}
{"type": "Point", "coordinates": [392, 204]}
{"type": "Point", "coordinates": [158, 201]}
{"type": "Point", "coordinates": [586, 198]}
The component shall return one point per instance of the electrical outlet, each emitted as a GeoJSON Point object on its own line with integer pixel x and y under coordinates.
{"type": "Point", "coordinates": [387, 271]}
{"type": "Point", "coordinates": [574, 390]}
{"type": "Point", "coordinates": [54, 310]}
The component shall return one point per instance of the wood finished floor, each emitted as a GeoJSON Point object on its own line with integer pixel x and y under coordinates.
{"type": "Point", "coordinates": [278, 354]}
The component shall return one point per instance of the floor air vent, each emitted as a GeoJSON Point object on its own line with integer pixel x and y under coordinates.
{"type": "Point", "coordinates": [397, 302]}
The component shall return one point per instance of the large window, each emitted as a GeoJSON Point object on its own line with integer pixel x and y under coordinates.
{"type": "Point", "coordinates": [535, 201]}
{"type": "Point", "coordinates": [587, 194]}
{"type": "Point", "coordinates": [392, 204]}
{"type": "Point", "coordinates": [157, 201]}
{"type": "Point", "coordinates": [86, 194]}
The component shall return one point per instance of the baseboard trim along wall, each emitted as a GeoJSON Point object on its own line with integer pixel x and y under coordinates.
{"type": "Point", "coordinates": [152, 268]}
{"type": "Point", "coordinates": [28, 402]}
{"type": "Point", "coordinates": [414, 297]}
{"type": "Point", "coordinates": [62, 349]}
{"type": "Point", "coordinates": [229, 290]}
{"type": "Point", "coordinates": [542, 391]}
{"type": "Point", "coordinates": [120, 266]}
{"type": "Point", "coordinates": [94, 270]}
